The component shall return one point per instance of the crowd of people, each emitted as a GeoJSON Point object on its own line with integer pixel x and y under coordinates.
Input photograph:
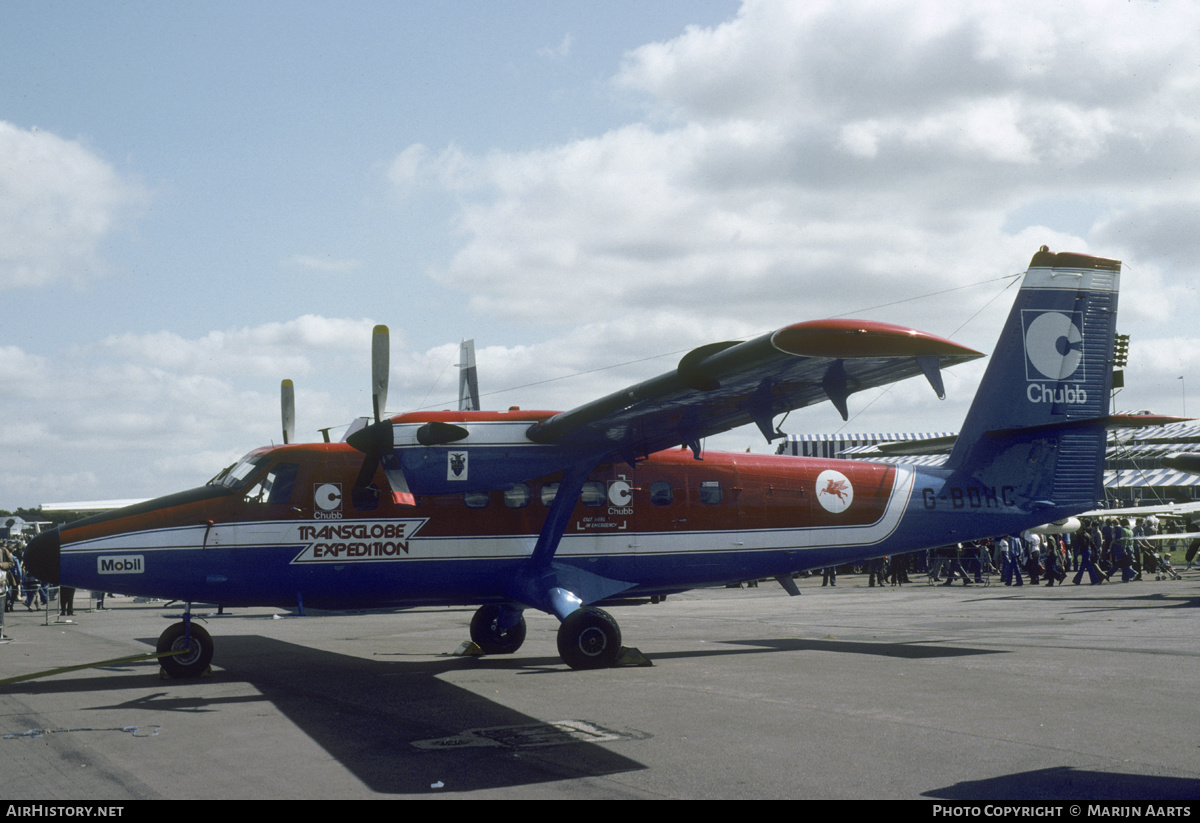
{"type": "Point", "coordinates": [1102, 550]}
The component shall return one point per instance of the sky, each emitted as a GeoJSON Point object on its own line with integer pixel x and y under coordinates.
{"type": "Point", "coordinates": [198, 200]}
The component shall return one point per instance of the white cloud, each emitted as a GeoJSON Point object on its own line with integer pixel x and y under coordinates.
{"type": "Point", "coordinates": [813, 159]}
{"type": "Point", "coordinates": [58, 202]}
{"type": "Point", "coordinates": [801, 160]}
{"type": "Point", "coordinates": [880, 147]}
{"type": "Point", "coordinates": [562, 50]}
{"type": "Point", "coordinates": [162, 411]}
{"type": "Point", "coordinates": [269, 350]}
{"type": "Point", "coordinates": [325, 264]}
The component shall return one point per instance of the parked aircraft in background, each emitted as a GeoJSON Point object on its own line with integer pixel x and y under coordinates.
{"type": "Point", "coordinates": [561, 511]}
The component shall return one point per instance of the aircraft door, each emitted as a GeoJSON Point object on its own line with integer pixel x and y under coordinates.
{"type": "Point", "coordinates": [271, 506]}
{"type": "Point", "coordinates": [770, 499]}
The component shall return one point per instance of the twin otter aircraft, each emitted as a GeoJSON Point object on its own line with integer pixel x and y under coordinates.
{"type": "Point", "coordinates": [560, 511]}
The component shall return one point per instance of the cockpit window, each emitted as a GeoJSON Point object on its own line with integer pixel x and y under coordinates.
{"type": "Point", "coordinates": [276, 486]}
{"type": "Point", "coordinates": [236, 475]}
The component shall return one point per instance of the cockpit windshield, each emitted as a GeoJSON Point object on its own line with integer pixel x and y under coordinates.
{"type": "Point", "coordinates": [235, 476]}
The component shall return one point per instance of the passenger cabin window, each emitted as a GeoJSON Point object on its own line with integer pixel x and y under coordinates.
{"type": "Point", "coordinates": [593, 493]}
{"type": "Point", "coordinates": [477, 500]}
{"type": "Point", "coordinates": [517, 497]}
{"type": "Point", "coordinates": [549, 492]}
{"type": "Point", "coordinates": [710, 492]}
{"type": "Point", "coordinates": [661, 493]}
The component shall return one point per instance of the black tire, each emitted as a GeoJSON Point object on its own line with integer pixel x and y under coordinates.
{"type": "Point", "coordinates": [486, 633]}
{"type": "Point", "coordinates": [191, 663]}
{"type": "Point", "coordinates": [589, 639]}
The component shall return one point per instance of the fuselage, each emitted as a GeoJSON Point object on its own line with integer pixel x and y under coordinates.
{"type": "Point", "coordinates": [286, 527]}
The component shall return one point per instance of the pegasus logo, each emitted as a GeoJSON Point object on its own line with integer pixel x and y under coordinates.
{"type": "Point", "coordinates": [836, 487]}
{"type": "Point", "coordinates": [834, 492]}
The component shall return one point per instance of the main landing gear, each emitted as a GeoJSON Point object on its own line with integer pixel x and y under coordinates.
{"type": "Point", "coordinates": [195, 645]}
{"type": "Point", "coordinates": [589, 638]}
{"type": "Point", "coordinates": [498, 629]}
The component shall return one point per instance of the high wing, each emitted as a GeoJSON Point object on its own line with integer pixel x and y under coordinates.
{"type": "Point", "coordinates": [722, 386]}
{"type": "Point", "coordinates": [713, 389]}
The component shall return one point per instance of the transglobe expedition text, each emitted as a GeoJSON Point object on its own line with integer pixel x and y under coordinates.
{"type": "Point", "coordinates": [1093, 810]}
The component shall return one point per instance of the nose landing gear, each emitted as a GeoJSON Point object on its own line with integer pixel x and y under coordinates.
{"type": "Point", "coordinates": [195, 647]}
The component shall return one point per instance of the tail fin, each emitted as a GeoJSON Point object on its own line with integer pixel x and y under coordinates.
{"type": "Point", "coordinates": [1037, 425]}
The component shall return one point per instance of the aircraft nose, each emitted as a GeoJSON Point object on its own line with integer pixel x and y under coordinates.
{"type": "Point", "coordinates": [41, 556]}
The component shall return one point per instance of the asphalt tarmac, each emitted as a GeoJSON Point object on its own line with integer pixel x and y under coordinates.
{"type": "Point", "coordinates": [1071, 693]}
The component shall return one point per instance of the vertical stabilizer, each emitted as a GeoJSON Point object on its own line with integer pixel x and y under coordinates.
{"type": "Point", "coordinates": [1036, 427]}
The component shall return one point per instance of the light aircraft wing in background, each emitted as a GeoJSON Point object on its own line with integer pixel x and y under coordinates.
{"type": "Point", "coordinates": [1186, 510]}
{"type": "Point", "coordinates": [90, 506]}
{"type": "Point", "coordinates": [942, 445]}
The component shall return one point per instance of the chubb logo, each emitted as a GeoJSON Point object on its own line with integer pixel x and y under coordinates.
{"type": "Point", "coordinates": [121, 564]}
{"type": "Point", "coordinates": [1054, 351]}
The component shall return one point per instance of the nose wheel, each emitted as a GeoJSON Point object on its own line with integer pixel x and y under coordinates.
{"type": "Point", "coordinates": [589, 638]}
{"type": "Point", "coordinates": [195, 647]}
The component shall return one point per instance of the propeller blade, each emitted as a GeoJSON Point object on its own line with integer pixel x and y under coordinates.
{"type": "Point", "coordinates": [287, 403]}
{"type": "Point", "coordinates": [375, 441]}
{"type": "Point", "coordinates": [380, 366]}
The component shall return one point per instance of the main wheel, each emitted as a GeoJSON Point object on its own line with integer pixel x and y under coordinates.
{"type": "Point", "coordinates": [194, 661]}
{"type": "Point", "coordinates": [589, 639]}
{"type": "Point", "coordinates": [489, 637]}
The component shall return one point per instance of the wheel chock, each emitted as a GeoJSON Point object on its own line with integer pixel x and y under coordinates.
{"type": "Point", "coordinates": [163, 675]}
{"type": "Point", "coordinates": [632, 657]}
{"type": "Point", "coordinates": [469, 648]}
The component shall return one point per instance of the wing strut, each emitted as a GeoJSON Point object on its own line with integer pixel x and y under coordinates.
{"type": "Point", "coordinates": [559, 588]}
{"type": "Point", "coordinates": [560, 512]}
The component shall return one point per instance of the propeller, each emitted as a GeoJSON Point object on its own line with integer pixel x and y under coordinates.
{"type": "Point", "coordinates": [287, 403]}
{"type": "Point", "coordinates": [375, 441]}
{"type": "Point", "coordinates": [380, 363]}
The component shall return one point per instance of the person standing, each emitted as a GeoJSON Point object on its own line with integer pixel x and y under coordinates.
{"type": "Point", "coordinates": [1087, 547]}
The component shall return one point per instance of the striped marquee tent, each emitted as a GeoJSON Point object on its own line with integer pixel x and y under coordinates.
{"type": "Point", "coordinates": [1133, 466]}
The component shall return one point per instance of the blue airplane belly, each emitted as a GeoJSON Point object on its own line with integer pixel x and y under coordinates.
{"type": "Point", "coordinates": [267, 576]}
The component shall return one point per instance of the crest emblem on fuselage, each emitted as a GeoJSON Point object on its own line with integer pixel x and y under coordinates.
{"type": "Point", "coordinates": [834, 491]}
{"type": "Point", "coordinates": [456, 466]}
